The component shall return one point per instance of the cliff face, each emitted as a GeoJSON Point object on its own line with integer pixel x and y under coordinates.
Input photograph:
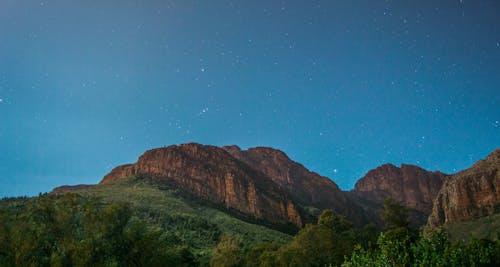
{"type": "Point", "coordinates": [265, 184]}
{"type": "Point", "coordinates": [410, 185]}
{"type": "Point", "coordinates": [305, 186]}
{"type": "Point", "coordinates": [261, 182]}
{"type": "Point", "coordinates": [469, 194]}
{"type": "Point", "coordinates": [212, 174]}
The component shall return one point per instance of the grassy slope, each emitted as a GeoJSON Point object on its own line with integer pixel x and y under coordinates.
{"type": "Point", "coordinates": [486, 227]}
{"type": "Point", "coordinates": [147, 198]}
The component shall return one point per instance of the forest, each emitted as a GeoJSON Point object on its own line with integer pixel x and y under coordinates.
{"type": "Point", "coordinates": [77, 230]}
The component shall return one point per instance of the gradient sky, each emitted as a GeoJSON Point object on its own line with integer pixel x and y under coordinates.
{"type": "Point", "coordinates": [340, 86]}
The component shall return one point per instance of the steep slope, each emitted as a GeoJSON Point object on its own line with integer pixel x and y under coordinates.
{"type": "Point", "coordinates": [469, 194]}
{"type": "Point", "coordinates": [212, 174]}
{"type": "Point", "coordinates": [306, 187]}
{"type": "Point", "coordinates": [412, 186]}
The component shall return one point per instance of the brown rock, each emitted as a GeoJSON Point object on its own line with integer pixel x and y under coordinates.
{"type": "Point", "coordinates": [469, 194]}
{"type": "Point", "coordinates": [410, 185]}
{"type": "Point", "coordinates": [306, 187]}
{"type": "Point", "coordinates": [212, 174]}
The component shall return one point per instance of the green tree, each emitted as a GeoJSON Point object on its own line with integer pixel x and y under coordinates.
{"type": "Point", "coordinates": [394, 214]}
{"type": "Point", "coordinates": [228, 252]}
{"type": "Point", "coordinates": [325, 243]}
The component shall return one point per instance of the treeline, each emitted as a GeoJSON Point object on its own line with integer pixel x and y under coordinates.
{"type": "Point", "coordinates": [76, 231]}
{"type": "Point", "coordinates": [334, 242]}
{"type": "Point", "coordinates": [72, 230]}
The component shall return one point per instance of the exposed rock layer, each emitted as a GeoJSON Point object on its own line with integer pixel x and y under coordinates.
{"type": "Point", "coordinates": [410, 185]}
{"type": "Point", "coordinates": [212, 174]}
{"type": "Point", "coordinates": [305, 186]}
{"type": "Point", "coordinates": [469, 194]}
{"type": "Point", "coordinates": [264, 184]}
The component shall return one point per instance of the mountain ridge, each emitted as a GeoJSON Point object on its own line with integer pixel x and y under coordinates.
{"type": "Point", "coordinates": [264, 184]}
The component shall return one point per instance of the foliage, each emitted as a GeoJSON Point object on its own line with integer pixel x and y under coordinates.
{"type": "Point", "coordinates": [394, 214]}
{"type": "Point", "coordinates": [228, 252]}
{"type": "Point", "coordinates": [398, 246]}
{"type": "Point", "coordinates": [196, 223]}
{"type": "Point", "coordinates": [141, 222]}
{"type": "Point", "coordinates": [315, 245]}
{"type": "Point", "coordinates": [75, 231]}
{"type": "Point", "coordinates": [434, 250]}
{"type": "Point", "coordinates": [141, 225]}
{"type": "Point", "coordinates": [479, 229]}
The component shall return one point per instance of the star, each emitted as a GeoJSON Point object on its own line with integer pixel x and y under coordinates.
{"type": "Point", "coordinates": [203, 111]}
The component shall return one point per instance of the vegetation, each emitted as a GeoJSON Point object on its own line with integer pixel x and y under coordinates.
{"type": "Point", "coordinates": [76, 231]}
{"type": "Point", "coordinates": [333, 242]}
{"type": "Point", "coordinates": [475, 229]}
{"type": "Point", "coordinates": [398, 245]}
{"type": "Point", "coordinates": [51, 228]}
{"type": "Point", "coordinates": [130, 223]}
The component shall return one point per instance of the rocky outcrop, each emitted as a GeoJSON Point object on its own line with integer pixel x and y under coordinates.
{"type": "Point", "coordinates": [306, 187]}
{"type": "Point", "coordinates": [212, 174]}
{"type": "Point", "coordinates": [469, 194]}
{"type": "Point", "coordinates": [410, 185]}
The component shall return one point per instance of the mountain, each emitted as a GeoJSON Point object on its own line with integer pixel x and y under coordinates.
{"type": "Point", "coordinates": [412, 186]}
{"type": "Point", "coordinates": [212, 174]}
{"type": "Point", "coordinates": [260, 183]}
{"type": "Point", "coordinates": [197, 205]}
{"type": "Point", "coordinates": [264, 185]}
{"type": "Point", "coordinates": [469, 194]}
{"type": "Point", "coordinates": [307, 188]}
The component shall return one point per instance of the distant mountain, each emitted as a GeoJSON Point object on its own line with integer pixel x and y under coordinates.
{"type": "Point", "coordinates": [469, 194]}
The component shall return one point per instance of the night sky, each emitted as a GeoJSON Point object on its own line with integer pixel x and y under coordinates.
{"type": "Point", "coordinates": [340, 86]}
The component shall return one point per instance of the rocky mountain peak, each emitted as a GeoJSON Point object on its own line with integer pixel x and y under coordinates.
{"type": "Point", "coordinates": [411, 185]}
{"type": "Point", "coordinates": [469, 194]}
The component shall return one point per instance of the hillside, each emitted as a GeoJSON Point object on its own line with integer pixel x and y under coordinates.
{"type": "Point", "coordinates": [193, 224]}
{"type": "Point", "coordinates": [165, 201]}
{"type": "Point", "coordinates": [196, 205]}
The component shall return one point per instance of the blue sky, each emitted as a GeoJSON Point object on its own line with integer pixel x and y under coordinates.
{"type": "Point", "coordinates": [340, 86]}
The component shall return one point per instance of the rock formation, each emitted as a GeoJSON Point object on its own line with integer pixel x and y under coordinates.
{"type": "Point", "coordinates": [212, 174]}
{"type": "Point", "coordinates": [469, 194]}
{"type": "Point", "coordinates": [410, 185]}
{"type": "Point", "coordinates": [308, 188]}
